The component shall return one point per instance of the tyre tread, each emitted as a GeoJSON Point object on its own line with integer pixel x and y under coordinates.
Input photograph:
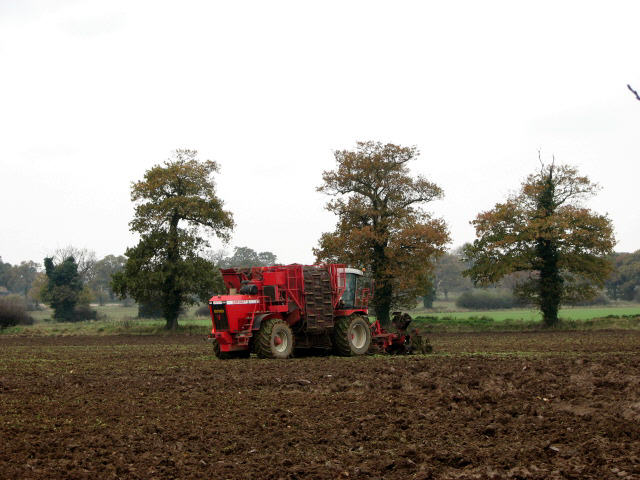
{"type": "Point", "coordinates": [262, 344]}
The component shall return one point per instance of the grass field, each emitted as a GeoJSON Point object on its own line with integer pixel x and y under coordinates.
{"type": "Point", "coordinates": [579, 313]}
{"type": "Point", "coordinates": [112, 319]}
{"type": "Point", "coordinates": [620, 317]}
{"type": "Point", "coordinates": [116, 320]}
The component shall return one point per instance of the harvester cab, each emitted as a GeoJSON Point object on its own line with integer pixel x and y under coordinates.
{"type": "Point", "coordinates": [357, 290]}
{"type": "Point", "coordinates": [271, 311]}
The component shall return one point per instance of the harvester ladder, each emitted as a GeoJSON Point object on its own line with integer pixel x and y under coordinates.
{"type": "Point", "coordinates": [318, 299]}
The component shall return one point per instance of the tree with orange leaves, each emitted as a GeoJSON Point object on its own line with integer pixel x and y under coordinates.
{"type": "Point", "coordinates": [382, 225]}
{"type": "Point", "coordinates": [545, 232]}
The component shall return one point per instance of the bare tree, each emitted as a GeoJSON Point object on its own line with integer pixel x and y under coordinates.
{"type": "Point", "coordinates": [85, 259]}
{"type": "Point", "coordinates": [218, 257]}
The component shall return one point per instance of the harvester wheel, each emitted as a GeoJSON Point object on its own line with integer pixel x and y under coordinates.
{"type": "Point", "coordinates": [219, 353]}
{"type": "Point", "coordinates": [351, 336]}
{"type": "Point", "coordinates": [274, 339]}
{"type": "Point", "coordinates": [228, 355]}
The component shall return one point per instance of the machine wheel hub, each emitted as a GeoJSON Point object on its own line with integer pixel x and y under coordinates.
{"type": "Point", "coordinates": [358, 336]}
{"type": "Point", "coordinates": [280, 342]}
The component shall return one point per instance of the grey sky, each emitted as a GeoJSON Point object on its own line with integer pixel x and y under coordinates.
{"type": "Point", "coordinates": [94, 93]}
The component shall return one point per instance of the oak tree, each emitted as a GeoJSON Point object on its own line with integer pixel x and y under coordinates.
{"type": "Point", "coordinates": [382, 225]}
{"type": "Point", "coordinates": [546, 233]}
{"type": "Point", "coordinates": [176, 208]}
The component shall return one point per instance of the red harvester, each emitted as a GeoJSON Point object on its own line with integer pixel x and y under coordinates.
{"type": "Point", "coordinates": [272, 310]}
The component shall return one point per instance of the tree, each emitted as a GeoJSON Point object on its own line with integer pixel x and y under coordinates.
{"type": "Point", "coordinates": [21, 277]}
{"type": "Point", "coordinates": [248, 257]}
{"type": "Point", "coordinates": [5, 269]}
{"type": "Point", "coordinates": [37, 292]}
{"type": "Point", "coordinates": [624, 282]}
{"type": "Point", "coordinates": [85, 259]}
{"type": "Point", "coordinates": [545, 232]}
{"type": "Point", "coordinates": [267, 259]}
{"type": "Point", "coordinates": [381, 222]}
{"type": "Point", "coordinates": [448, 273]}
{"type": "Point", "coordinates": [429, 297]}
{"type": "Point", "coordinates": [103, 270]}
{"type": "Point", "coordinates": [176, 204]}
{"type": "Point", "coordinates": [63, 287]}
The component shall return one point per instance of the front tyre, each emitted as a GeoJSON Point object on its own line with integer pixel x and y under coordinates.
{"type": "Point", "coordinates": [351, 336]}
{"type": "Point", "coordinates": [228, 355]}
{"type": "Point", "coordinates": [219, 353]}
{"type": "Point", "coordinates": [274, 339]}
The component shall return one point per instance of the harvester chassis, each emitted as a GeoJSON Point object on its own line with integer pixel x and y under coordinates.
{"type": "Point", "coordinates": [270, 311]}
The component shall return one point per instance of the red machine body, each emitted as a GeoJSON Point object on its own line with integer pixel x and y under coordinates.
{"type": "Point", "coordinates": [269, 310]}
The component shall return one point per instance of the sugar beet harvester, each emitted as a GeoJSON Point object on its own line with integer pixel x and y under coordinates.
{"type": "Point", "coordinates": [272, 310]}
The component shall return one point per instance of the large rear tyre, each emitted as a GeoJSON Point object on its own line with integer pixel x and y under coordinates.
{"type": "Point", "coordinates": [351, 336]}
{"type": "Point", "coordinates": [274, 339]}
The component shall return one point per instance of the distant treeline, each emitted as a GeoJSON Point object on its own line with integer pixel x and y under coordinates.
{"type": "Point", "coordinates": [622, 284]}
{"type": "Point", "coordinates": [28, 279]}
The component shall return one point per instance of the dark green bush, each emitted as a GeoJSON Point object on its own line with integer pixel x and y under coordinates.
{"type": "Point", "coordinates": [13, 312]}
{"type": "Point", "coordinates": [487, 300]}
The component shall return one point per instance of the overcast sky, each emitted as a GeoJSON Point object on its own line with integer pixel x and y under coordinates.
{"type": "Point", "coordinates": [94, 93]}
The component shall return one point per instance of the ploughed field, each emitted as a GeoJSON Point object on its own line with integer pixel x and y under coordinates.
{"type": "Point", "coordinates": [488, 405]}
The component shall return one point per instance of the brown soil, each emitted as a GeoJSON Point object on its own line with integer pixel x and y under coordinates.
{"type": "Point", "coordinates": [529, 405]}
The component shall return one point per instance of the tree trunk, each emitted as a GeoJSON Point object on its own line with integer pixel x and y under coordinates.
{"type": "Point", "coordinates": [383, 289]}
{"type": "Point", "coordinates": [382, 303]}
{"type": "Point", "coordinates": [427, 301]}
{"type": "Point", "coordinates": [172, 301]}
{"type": "Point", "coordinates": [172, 323]}
{"type": "Point", "coordinates": [550, 286]}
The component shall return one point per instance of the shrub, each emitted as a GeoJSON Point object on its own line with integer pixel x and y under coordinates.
{"type": "Point", "coordinates": [487, 300]}
{"type": "Point", "coordinates": [13, 312]}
